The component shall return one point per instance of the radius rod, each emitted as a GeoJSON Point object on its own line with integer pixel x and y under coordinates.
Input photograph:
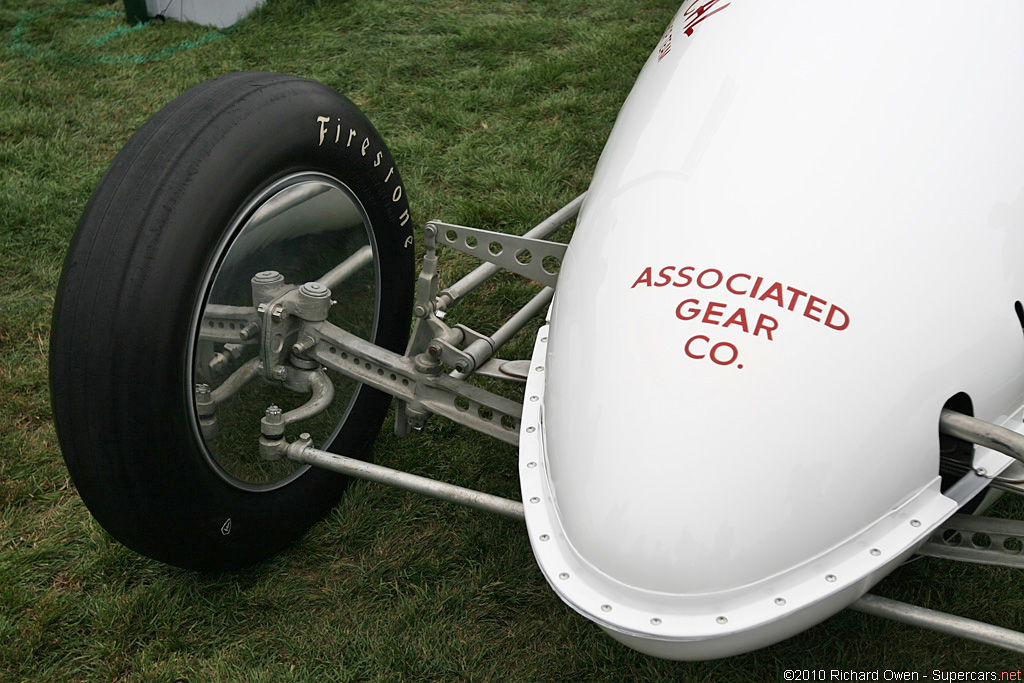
{"type": "Point", "coordinates": [982, 433]}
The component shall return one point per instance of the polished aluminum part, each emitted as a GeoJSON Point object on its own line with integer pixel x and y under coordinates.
{"type": "Point", "coordinates": [950, 624]}
{"type": "Point", "coordinates": [982, 433]}
{"type": "Point", "coordinates": [306, 454]}
{"type": "Point", "coordinates": [979, 540]}
{"type": "Point", "coordinates": [261, 275]}
{"type": "Point", "coordinates": [532, 258]}
{"type": "Point", "coordinates": [450, 295]}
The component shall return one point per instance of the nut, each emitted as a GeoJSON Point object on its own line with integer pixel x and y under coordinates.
{"type": "Point", "coordinates": [249, 331]}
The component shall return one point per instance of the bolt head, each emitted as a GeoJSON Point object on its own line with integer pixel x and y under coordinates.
{"type": "Point", "coordinates": [249, 331]}
{"type": "Point", "coordinates": [280, 372]}
{"type": "Point", "coordinates": [314, 289]}
{"type": "Point", "coordinates": [267, 277]}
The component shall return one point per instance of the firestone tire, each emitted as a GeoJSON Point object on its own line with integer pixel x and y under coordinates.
{"type": "Point", "coordinates": [163, 229]}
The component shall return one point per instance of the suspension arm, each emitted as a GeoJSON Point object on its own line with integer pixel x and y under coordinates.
{"type": "Point", "coordinates": [421, 385]}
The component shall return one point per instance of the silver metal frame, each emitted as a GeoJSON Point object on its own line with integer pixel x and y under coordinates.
{"type": "Point", "coordinates": [429, 379]}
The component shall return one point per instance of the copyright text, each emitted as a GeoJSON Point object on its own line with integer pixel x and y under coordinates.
{"type": "Point", "coordinates": [891, 675]}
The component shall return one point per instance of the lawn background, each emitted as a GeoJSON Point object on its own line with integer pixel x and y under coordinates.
{"type": "Point", "coordinates": [496, 112]}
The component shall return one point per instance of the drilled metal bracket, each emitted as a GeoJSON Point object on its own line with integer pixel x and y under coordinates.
{"type": "Point", "coordinates": [423, 392]}
{"type": "Point", "coordinates": [980, 540]}
{"type": "Point", "coordinates": [229, 324]}
{"type": "Point", "coordinates": [536, 259]}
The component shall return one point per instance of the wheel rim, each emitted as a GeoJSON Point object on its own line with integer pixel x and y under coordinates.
{"type": "Point", "coordinates": [300, 226]}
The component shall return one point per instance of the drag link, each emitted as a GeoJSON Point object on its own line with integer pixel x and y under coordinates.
{"type": "Point", "coordinates": [302, 452]}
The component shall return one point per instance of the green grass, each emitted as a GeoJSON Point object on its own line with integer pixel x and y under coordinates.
{"type": "Point", "coordinates": [496, 112]}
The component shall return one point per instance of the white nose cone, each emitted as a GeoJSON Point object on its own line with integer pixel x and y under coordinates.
{"type": "Point", "coordinates": [805, 235]}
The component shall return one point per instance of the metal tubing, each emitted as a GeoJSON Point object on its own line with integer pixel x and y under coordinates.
{"type": "Point", "coordinates": [238, 379]}
{"type": "Point", "coordinates": [961, 627]}
{"type": "Point", "coordinates": [449, 296]}
{"type": "Point", "coordinates": [323, 393]}
{"type": "Point", "coordinates": [982, 433]}
{"type": "Point", "coordinates": [278, 204]}
{"type": "Point", "coordinates": [520, 319]}
{"type": "Point", "coordinates": [347, 268]}
{"type": "Point", "coordinates": [481, 350]}
{"type": "Point", "coordinates": [432, 488]}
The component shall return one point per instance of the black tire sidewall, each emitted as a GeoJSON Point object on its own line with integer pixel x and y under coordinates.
{"type": "Point", "coordinates": [142, 454]}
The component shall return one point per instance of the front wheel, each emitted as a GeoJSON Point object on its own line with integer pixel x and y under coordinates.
{"type": "Point", "coordinates": [246, 176]}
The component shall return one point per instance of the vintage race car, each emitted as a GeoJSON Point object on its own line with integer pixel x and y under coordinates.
{"type": "Point", "coordinates": [783, 349]}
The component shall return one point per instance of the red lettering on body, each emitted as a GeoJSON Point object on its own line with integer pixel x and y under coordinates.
{"type": "Point", "coordinates": [664, 276]}
{"type": "Point", "coordinates": [774, 292]}
{"type": "Point", "coordinates": [766, 323]}
{"type": "Point", "coordinates": [716, 279]}
{"type": "Point", "coordinates": [829, 319]}
{"type": "Point", "coordinates": [788, 297]}
{"type": "Point", "coordinates": [738, 318]}
{"type": "Point", "coordinates": [645, 277]}
{"type": "Point", "coordinates": [697, 14]}
{"type": "Point", "coordinates": [714, 309]}
{"type": "Point", "coordinates": [813, 307]}
{"type": "Point", "coordinates": [690, 313]}
{"type": "Point", "coordinates": [728, 283]}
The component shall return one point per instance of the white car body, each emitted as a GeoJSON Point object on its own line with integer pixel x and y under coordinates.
{"type": "Point", "coordinates": [803, 237]}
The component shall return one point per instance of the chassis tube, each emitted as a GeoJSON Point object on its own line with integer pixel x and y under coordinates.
{"type": "Point", "coordinates": [449, 296]}
{"type": "Point", "coordinates": [432, 488]}
{"type": "Point", "coordinates": [982, 433]}
{"type": "Point", "coordinates": [483, 349]}
{"type": "Point", "coordinates": [968, 629]}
